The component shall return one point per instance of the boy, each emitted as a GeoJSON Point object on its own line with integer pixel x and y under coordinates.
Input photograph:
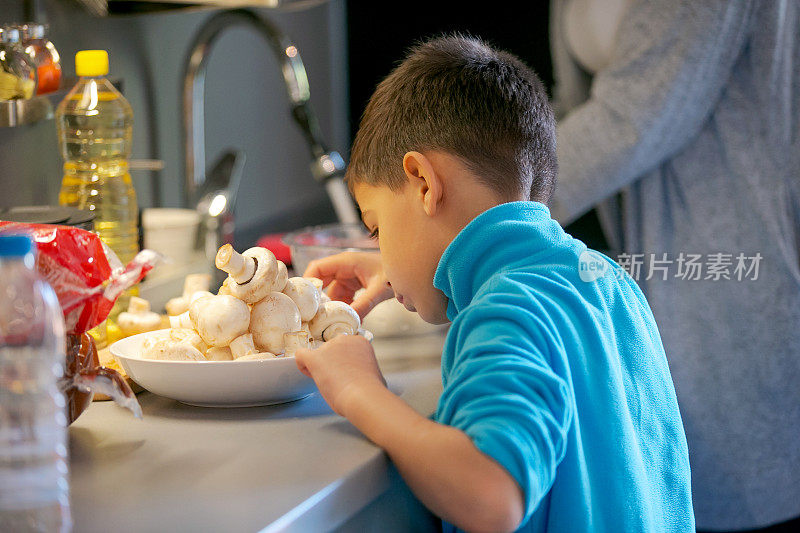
{"type": "Point", "coordinates": [558, 412]}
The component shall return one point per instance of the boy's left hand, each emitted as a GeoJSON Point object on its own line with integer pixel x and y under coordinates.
{"type": "Point", "coordinates": [342, 368]}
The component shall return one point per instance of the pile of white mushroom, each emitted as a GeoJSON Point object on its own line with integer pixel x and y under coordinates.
{"type": "Point", "coordinates": [258, 313]}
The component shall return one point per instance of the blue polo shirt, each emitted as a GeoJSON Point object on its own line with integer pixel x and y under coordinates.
{"type": "Point", "coordinates": [554, 367]}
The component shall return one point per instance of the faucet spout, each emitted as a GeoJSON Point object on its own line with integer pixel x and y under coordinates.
{"type": "Point", "coordinates": [326, 166]}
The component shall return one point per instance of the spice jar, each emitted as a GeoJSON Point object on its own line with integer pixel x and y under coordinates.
{"type": "Point", "coordinates": [17, 71]}
{"type": "Point", "coordinates": [44, 56]}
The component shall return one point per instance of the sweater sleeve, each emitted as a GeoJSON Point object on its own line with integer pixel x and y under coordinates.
{"type": "Point", "coordinates": [672, 61]}
{"type": "Point", "coordinates": [504, 394]}
{"type": "Point", "coordinates": [571, 82]}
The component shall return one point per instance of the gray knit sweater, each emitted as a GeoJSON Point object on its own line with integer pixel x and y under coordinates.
{"type": "Point", "coordinates": [696, 124]}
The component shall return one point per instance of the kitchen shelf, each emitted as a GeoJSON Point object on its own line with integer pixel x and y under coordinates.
{"type": "Point", "coordinates": [24, 112]}
{"type": "Point", "coordinates": [131, 7]}
{"type": "Point", "coordinates": [14, 113]}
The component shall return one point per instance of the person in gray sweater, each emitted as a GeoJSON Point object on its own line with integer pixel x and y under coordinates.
{"type": "Point", "coordinates": [684, 126]}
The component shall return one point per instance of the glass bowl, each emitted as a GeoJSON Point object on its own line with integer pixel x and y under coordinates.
{"type": "Point", "coordinates": [316, 242]}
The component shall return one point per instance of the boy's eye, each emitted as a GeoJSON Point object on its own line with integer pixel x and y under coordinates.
{"type": "Point", "coordinates": [374, 234]}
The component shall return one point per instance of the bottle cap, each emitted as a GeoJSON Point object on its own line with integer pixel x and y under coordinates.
{"type": "Point", "coordinates": [10, 35]}
{"type": "Point", "coordinates": [91, 63]}
{"type": "Point", "coordinates": [33, 30]}
{"type": "Point", "coordinates": [15, 245]}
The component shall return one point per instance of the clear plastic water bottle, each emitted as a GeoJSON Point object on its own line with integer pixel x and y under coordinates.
{"type": "Point", "coordinates": [34, 489]}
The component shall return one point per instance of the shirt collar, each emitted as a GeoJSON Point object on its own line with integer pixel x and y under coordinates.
{"type": "Point", "coordinates": [498, 239]}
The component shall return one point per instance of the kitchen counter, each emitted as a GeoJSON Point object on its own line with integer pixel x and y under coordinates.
{"type": "Point", "coordinates": [290, 467]}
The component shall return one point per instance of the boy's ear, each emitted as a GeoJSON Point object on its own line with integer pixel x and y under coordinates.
{"type": "Point", "coordinates": [426, 183]}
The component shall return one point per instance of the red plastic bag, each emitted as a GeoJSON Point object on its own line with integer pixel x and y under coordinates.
{"type": "Point", "coordinates": [85, 274]}
{"type": "Point", "coordinates": [87, 277]}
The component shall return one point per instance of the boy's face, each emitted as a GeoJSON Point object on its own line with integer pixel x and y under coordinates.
{"type": "Point", "coordinates": [410, 250]}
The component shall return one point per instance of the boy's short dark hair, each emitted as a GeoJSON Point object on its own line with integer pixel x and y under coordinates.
{"type": "Point", "coordinates": [456, 94]}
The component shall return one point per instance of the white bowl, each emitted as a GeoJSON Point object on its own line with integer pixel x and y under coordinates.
{"type": "Point", "coordinates": [213, 383]}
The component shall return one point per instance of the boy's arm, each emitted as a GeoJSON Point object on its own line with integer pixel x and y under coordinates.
{"type": "Point", "coordinates": [505, 415]}
{"type": "Point", "coordinates": [441, 465]}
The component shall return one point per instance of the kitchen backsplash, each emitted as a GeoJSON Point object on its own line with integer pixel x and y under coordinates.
{"type": "Point", "coordinates": [246, 108]}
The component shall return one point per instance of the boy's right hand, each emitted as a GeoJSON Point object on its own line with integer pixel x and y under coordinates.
{"type": "Point", "coordinates": [347, 272]}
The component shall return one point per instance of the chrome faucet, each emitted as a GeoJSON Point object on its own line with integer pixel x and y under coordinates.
{"type": "Point", "coordinates": [327, 166]}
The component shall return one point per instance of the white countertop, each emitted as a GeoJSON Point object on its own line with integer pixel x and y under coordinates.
{"type": "Point", "coordinates": [289, 467]}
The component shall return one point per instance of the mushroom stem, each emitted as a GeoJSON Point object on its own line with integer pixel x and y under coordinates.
{"type": "Point", "coordinates": [243, 345]}
{"type": "Point", "coordinates": [336, 329]}
{"type": "Point", "coordinates": [181, 321]}
{"type": "Point", "coordinates": [240, 268]}
{"type": "Point", "coordinates": [219, 353]}
{"type": "Point", "coordinates": [196, 282]}
{"type": "Point", "coordinates": [138, 305]}
{"type": "Point", "coordinates": [293, 340]}
{"type": "Point", "coordinates": [316, 282]}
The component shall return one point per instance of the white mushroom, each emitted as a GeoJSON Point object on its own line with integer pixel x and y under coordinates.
{"type": "Point", "coordinates": [366, 334]}
{"type": "Point", "coordinates": [219, 319]}
{"type": "Point", "coordinates": [195, 283]}
{"type": "Point", "coordinates": [294, 340]}
{"type": "Point", "coordinates": [192, 284]}
{"type": "Point", "coordinates": [152, 340]}
{"type": "Point", "coordinates": [304, 295]}
{"type": "Point", "coordinates": [190, 336]}
{"type": "Point", "coordinates": [199, 294]}
{"type": "Point", "coordinates": [270, 318]}
{"type": "Point", "coordinates": [138, 305]}
{"type": "Point", "coordinates": [253, 273]}
{"type": "Point", "coordinates": [138, 318]}
{"type": "Point", "coordinates": [225, 287]}
{"type": "Point", "coordinates": [318, 283]}
{"type": "Point", "coordinates": [336, 329]}
{"type": "Point", "coordinates": [281, 278]}
{"type": "Point", "coordinates": [168, 350]}
{"type": "Point", "coordinates": [219, 353]}
{"type": "Point", "coordinates": [257, 356]}
{"type": "Point", "coordinates": [239, 268]}
{"type": "Point", "coordinates": [181, 321]}
{"type": "Point", "coordinates": [176, 306]}
{"type": "Point", "coordinates": [334, 318]}
{"type": "Point", "coordinates": [243, 345]}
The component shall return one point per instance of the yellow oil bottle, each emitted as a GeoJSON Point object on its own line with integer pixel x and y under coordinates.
{"type": "Point", "coordinates": [95, 130]}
